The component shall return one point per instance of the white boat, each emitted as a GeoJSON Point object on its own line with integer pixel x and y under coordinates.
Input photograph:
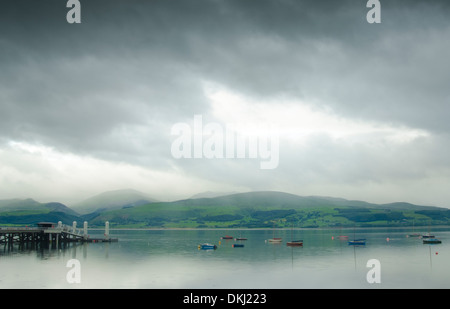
{"type": "Point", "coordinates": [275, 239]}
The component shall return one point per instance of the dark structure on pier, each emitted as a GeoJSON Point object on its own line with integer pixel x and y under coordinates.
{"type": "Point", "coordinates": [47, 235]}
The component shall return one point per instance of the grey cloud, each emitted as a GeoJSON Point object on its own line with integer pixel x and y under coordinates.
{"type": "Point", "coordinates": [112, 86]}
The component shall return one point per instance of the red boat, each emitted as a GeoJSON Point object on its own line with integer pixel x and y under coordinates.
{"type": "Point", "coordinates": [295, 243]}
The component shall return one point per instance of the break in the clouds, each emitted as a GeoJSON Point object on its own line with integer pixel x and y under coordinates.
{"type": "Point", "coordinates": [360, 109]}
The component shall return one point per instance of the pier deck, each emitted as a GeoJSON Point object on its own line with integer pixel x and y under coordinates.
{"type": "Point", "coordinates": [46, 233]}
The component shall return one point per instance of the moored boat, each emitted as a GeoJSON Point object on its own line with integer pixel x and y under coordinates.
{"type": "Point", "coordinates": [431, 241]}
{"type": "Point", "coordinates": [275, 239]}
{"type": "Point", "coordinates": [238, 245]}
{"type": "Point", "coordinates": [227, 237]}
{"type": "Point", "coordinates": [360, 242]}
{"type": "Point", "coordinates": [427, 236]}
{"type": "Point", "coordinates": [207, 246]}
{"type": "Point", "coordinates": [295, 243]}
{"type": "Point", "coordinates": [414, 234]}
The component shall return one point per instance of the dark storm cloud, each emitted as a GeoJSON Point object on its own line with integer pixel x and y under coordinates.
{"type": "Point", "coordinates": [74, 85]}
{"type": "Point", "coordinates": [113, 86]}
{"type": "Point", "coordinates": [59, 75]}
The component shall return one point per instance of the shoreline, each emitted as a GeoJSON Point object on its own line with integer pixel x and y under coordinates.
{"type": "Point", "coordinates": [270, 229]}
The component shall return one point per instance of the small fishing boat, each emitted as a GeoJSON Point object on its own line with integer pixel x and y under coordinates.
{"type": "Point", "coordinates": [360, 242]}
{"type": "Point", "coordinates": [413, 233]}
{"type": "Point", "coordinates": [207, 246]}
{"type": "Point", "coordinates": [238, 245]}
{"type": "Point", "coordinates": [275, 240]}
{"type": "Point", "coordinates": [240, 238]}
{"type": "Point", "coordinates": [227, 237]}
{"type": "Point", "coordinates": [427, 236]}
{"type": "Point", "coordinates": [295, 243]}
{"type": "Point", "coordinates": [431, 241]}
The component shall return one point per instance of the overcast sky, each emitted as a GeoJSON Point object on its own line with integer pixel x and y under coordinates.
{"type": "Point", "coordinates": [361, 110]}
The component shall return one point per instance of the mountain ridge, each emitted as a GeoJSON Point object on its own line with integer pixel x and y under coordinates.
{"type": "Point", "coordinates": [314, 200]}
{"type": "Point", "coordinates": [261, 208]}
{"type": "Point", "coordinates": [113, 199]}
{"type": "Point", "coordinates": [126, 208]}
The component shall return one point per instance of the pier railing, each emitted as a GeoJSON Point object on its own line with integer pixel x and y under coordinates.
{"type": "Point", "coordinates": [50, 232]}
{"type": "Point", "coordinates": [62, 228]}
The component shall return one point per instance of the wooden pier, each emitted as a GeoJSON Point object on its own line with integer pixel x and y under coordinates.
{"type": "Point", "coordinates": [48, 235]}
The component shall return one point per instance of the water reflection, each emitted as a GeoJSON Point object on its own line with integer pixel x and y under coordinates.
{"type": "Point", "coordinates": [171, 259]}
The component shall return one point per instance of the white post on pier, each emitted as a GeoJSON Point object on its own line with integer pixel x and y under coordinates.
{"type": "Point", "coordinates": [106, 230]}
{"type": "Point", "coordinates": [85, 234]}
{"type": "Point", "coordinates": [59, 234]}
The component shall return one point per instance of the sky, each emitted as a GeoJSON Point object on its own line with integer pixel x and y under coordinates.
{"type": "Point", "coordinates": [338, 106]}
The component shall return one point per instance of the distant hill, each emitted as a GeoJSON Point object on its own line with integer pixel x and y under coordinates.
{"type": "Point", "coordinates": [29, 211]}
{"type": "Point", "coordinates": [210, 194]}
{"type": "Point", "coordinates": [112, 200]}
{"type": "Point", "coordinates": [264, 209]}
{"type": "Point", "coordinates": [264, 199]}
{"type": "Point", "coordinates": [18, 204]}
{"type": "Point", "coordinates": [268, 208]}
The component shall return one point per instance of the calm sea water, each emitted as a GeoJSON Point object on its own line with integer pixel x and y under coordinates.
{"type": "Point", "coordinates": [171, 259]}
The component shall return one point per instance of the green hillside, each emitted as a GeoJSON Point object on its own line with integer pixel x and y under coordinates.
{"type": "Point", "coordinates": [242, 210]}
{"type": "Point", "coordinates": [29, 212]}
{"type": "Point", "coordinates": [268, 209]}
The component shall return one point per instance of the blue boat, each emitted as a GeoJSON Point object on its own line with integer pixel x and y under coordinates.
{"type": "Point", "coordinates": [428, 236]}
{"type": "Point", "coordinates": [238, 245]}
{"type": "Point", "coordinates": [431, 241]}
{"type": "Point", "coordinates": [358, 242]}
{"type": "Point", "coordinates": [207, 247]}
